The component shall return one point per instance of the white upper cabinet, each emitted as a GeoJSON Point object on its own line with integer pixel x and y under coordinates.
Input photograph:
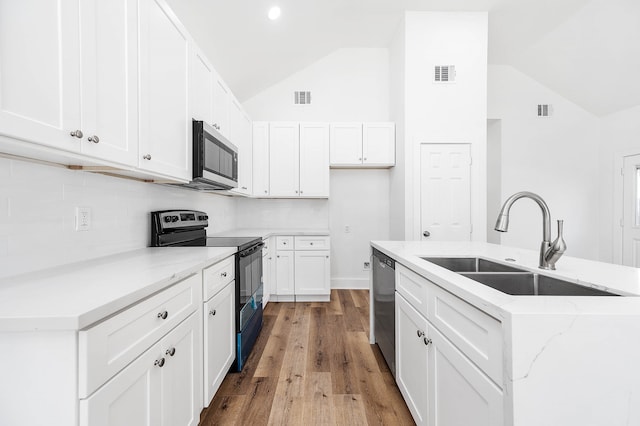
{"type": "Point", "coordinates": [201, 87]}
{"type": "Point", "coordinates": [314, 160]}
{"type": "Point", "coordinates": [240, 135]}
{"type": "Point", "coordinates": [165, 124]}
{"type": "Point", "coordinates": [109, 52]}
{"type": "Point", "coordinates": [221, 105]}
{"type": "Point", "coordinates": [363, 144]}
{"type": "Point", "coordinates": [261, 158]}
{"type": "Point", "coordinates": [284, 164]}
{"type": "Point", "coordinates": [379, 144]}
{"type": "Point", "coordinates": [40, 72]}
{"type": "Point", "coordinates": [346, 144]}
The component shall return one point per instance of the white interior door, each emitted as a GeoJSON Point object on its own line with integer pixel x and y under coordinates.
{"type": "Point", "coordinates": [445, 192]}
{"type": "Point", "coordinates": [631, 212]}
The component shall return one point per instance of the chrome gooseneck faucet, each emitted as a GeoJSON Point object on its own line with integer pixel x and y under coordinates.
{"type": "Point", "coordinates": [549, 252]}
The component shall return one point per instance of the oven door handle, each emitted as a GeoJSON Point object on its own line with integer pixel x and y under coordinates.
{"type": "Point", "coordinates": [251, 250]}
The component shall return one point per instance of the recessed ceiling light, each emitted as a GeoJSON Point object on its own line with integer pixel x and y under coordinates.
{"type": "Point", "coordinates": [274, 13]}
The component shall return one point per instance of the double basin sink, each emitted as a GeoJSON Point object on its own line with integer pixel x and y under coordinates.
{"type": "Point", "coordinates": [511, 280]}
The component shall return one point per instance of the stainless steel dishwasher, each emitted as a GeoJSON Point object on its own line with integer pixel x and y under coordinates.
{"type": "Point", "coordinates": [384, 287]}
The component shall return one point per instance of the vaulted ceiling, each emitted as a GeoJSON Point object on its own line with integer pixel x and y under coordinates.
{"type": "Point", "coordinates": [586, 50]}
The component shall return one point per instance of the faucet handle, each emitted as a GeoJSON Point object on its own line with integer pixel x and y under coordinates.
{"type": "Point", "coordinates": [558, 247]}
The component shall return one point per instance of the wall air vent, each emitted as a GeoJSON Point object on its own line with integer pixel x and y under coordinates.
{"type": "Point", "coordinates": [545, 110]}
{"type": "Point", "coordinates": [445, 74]}
{"type": "Point", "coordinates": [302, 98]}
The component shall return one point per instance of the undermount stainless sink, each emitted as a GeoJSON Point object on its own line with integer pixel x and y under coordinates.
{"type": "Point", "coordinates": [471, 264]}
{"type": "Point", "coordinates": [514, 281]}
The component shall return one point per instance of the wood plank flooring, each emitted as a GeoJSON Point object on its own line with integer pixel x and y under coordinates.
{"type": "Point", "coordinates": [312, 365]}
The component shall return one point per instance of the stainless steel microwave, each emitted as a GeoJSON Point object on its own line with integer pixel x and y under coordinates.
{"type": "Point", "coordinates": [215, 159]}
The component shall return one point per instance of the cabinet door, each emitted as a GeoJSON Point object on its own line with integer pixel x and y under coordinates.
{"type": "Point", "coordinates": [221, 107]}
{"type": "Point", "coordinates": [260, 159]}
{"type": "Point", "coordinates": [201, 87]}
{"type": "Point", "coordinates": [219, 339]}
{"type": "Point", "coordinates": [285, 273]}
{"type": "Point", "coordinates": [346, 144]}
{"type": "Point", "coordinates": [312, 273]}
{"type": "Point", "coordinates": [284, 178]}
{"type": "Point", "coordinates": [181, 375]}
{"type": "Point", "coordinates": [240, 136]}
{"type": "Point", "coordinates": [412, 374]}
{"type": "Point", "coordinates": [40, 71]}
{"type": "Point", "coordinates": [109, 46]}
{"type": "Point", "coordinates": [314, 160]}
{"type": "Point", "coordinates": [165, 125]}
{"type": "Point", "coordinates": [378, 144]}
{"type": "Point", "coordinates": [456, 382]}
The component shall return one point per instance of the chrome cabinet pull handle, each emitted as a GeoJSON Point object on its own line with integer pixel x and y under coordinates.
{"type": "Point", "coordinates": [163, 315]}
{"type": "Point", "coordinates": [427, 341]}
{"type": "Point", "coordinates": [171, 352]}
{"type": "Point", "coordinates": [212, 313]}
{"type": "Point", "coordinates": [93, 139]}
{"type": "Point", "coordinates": [76, 134]}
{"type": "Point", "coordinates": [224, 274]}
{"type": "Point", "coordinates": [420, 333]}
{"type": "Point", "coordinates": [147, 157]}
{"type": "Point", "coordinates": [159, 362]}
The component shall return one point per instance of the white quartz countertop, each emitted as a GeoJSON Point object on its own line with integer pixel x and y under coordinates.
{"type": "Point", "coordinates": [270, 232]}
{"type": "Point", "coordinates": [617, 279]}
{"type": "Point", "coordinates": [72, 297]}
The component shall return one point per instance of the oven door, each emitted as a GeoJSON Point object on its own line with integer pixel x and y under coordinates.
{"type": "Point", "coordinates": [249, 285]}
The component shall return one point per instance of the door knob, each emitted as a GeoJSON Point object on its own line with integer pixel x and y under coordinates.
{"type": "Point", "coordinates": [426, 234]}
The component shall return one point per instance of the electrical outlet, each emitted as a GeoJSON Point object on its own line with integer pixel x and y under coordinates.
{"type": "Point", "coordinates": [83, 218]}
{"type": "Point", "coordinates": [366, 266]}
{"type": "Point", "coordinates": [347, 229]}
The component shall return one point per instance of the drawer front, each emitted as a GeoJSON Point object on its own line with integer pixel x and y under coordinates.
{"type": "Point", "coordinates": [215, 277]}
{"type": "Point", "coordinates": [472, 331]}
{"type": "Point", "coordinates": [284, 243]}
{"type": "Point", "coordinates": [111, 345]}
{"type": "Point", "coordinates": [318, 242]}
{"type": "Point", "coordinates": [413, 288]}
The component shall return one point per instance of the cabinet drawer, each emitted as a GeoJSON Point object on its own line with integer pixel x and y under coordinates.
{"type": "Point", "coordinates": [215, 277]}
{"type": "Point", "coordinates": [475, 333]}
{"type": "Point", "coordinates": [109, 346]}
{"type": "Point", "coordinates": [413, 288]}
{"type": "Point", "coordinates": [317, 242]}
{"type": "Point", "coordinates": [284, 243]}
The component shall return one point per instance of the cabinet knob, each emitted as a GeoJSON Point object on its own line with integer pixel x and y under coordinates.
{"type": "Point", "coordinates": [147, 157]}
{"type": "Point", "coordinates": [94, 139]}
{"type": "Point", "coordinates": [426, 234]}
{"type": "Point", "coordinates": [163, 315]}
{"type": "Point", "coordinates": [427, 341]}
{"type": "Point", "coordinates": [159, 362]}
{"type": "Point", "coordinates": [224, 274]}
{"type": "Point", "coordinates": [327, 257]}
{"type": "Point", "coordinates": [266, 192]}
{"type": "Point", "coordinates": [360, 159]}
{"type": "Point", "coordinates": [296, 191]}
{"type": "Point", "coordinates": [212, 313]}
{"type": "Point", "coordinates": [171, 351]}
{"type": "Point", "coordinates": [244, 187]}
{"type": "Point", "coordinates": [365, 158]}
{"type": "Point", "coordinates": [76, 133]}
{"type": "Point", "coordinates": [420, 333]}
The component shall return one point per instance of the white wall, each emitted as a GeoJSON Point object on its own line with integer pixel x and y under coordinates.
{"type": "Point", "coordinates": [446, 113]}
{"type": "Point", "coordinates": [347, 85]}
{"type": "Point", "coordinates": [620, 135]}
{"type": "Point", "coordinates": [494, 178]}
{"type": "Point", "coordinates": [555, 157]}
{"type": "Point", "coordinates": [37, 213]}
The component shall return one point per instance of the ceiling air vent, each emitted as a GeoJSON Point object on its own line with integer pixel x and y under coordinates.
{"type": "Point", "coordinates": [302, 98]}
{"type": "Point", "coordinates": [544, 110]}
{"type": "Point", "coordinates": [445, 74]}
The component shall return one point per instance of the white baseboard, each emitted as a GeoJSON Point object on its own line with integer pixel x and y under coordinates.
{"type": "Point", "coordinates": [350, 283]}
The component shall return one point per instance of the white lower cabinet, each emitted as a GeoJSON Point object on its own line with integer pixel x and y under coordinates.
{"type": "Point", "coordinates": [161, 387]}
{"type": "Point", "coordinates": [219, 339]}
{"type": "Point", "coordinates": [302, 268]}
{"type": "Point", "coordinates": [439, 383]}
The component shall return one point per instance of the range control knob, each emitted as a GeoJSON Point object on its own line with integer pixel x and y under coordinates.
{"type": "Point", "coordinates": [203, 217]}
{"type": "Point", "coordinates": [167, 218]}
{"type": "Point", "coordinates": [174, 218]}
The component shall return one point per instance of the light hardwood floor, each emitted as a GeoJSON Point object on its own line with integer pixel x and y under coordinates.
{"type": "Point", "coordinates": [312, 365]}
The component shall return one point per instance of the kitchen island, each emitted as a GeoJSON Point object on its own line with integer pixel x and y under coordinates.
{"type": "Point", "coordinates": [474, 354]}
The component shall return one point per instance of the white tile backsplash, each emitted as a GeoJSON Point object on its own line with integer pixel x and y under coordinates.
{"type": "Point", "coordinates": [37, 214]}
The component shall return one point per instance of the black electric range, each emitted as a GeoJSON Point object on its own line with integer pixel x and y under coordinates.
{"type": "Point", "coordinates": [187, 228]}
